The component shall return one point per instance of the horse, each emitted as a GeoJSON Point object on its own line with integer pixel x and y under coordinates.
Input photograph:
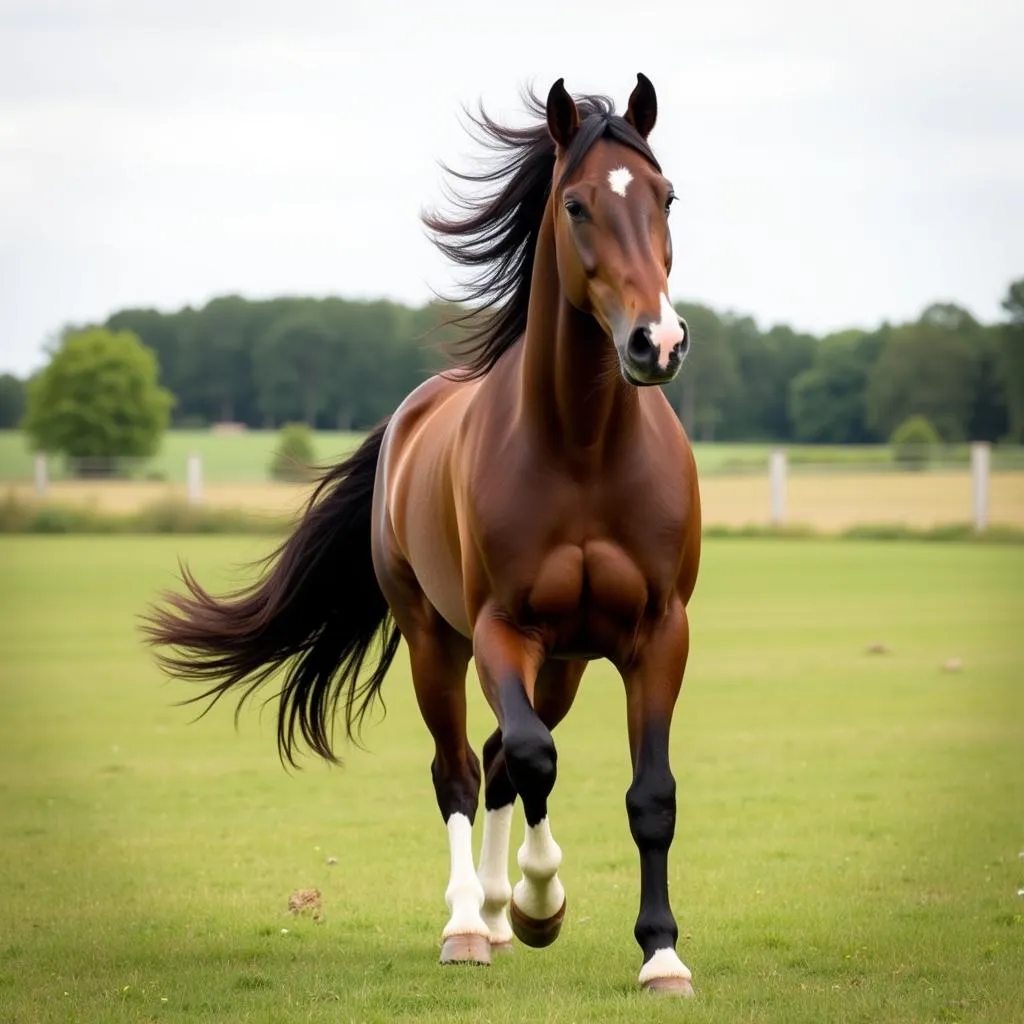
{"type": "Point", "coordinates": [534, 507]}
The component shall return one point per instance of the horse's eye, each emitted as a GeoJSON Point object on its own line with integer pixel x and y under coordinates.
{"type": "Point", "coordinates": [668, 203]}
{"type": "Point", "coordinates": [575, 209]}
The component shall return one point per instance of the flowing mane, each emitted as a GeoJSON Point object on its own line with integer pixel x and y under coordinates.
{"type": "Point", "coordinates": [497, 233]}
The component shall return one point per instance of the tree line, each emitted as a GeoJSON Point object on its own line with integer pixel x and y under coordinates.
{"type": "Point", "coordinates": [336, 363]}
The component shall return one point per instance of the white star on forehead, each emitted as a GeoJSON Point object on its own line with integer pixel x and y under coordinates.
{"type": "Point", "coordinates": [619, 179]}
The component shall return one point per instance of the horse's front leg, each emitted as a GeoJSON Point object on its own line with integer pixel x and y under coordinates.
{"type": "Point", "coordinates": [653, 681]}
{"type": "Point", "coordinates": [508, 664]}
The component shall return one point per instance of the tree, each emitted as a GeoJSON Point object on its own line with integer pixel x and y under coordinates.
{"type": "Point", "coordinates": [989, 419]}
{"type": "Point", "coordinates": [12, 401]}
{"type": "Point", "coordinates": [708, 379]}
{"type": "Point", "coordinates": [1012, 362]}
{"type": "Point", "coordinates": [929, 368]}
{"type": "Point", "coordinates": [291, 360]}
{"type": "Point", "coordinates": [98, 399]}
{"type": "Point", "coordinates": [826, 401]}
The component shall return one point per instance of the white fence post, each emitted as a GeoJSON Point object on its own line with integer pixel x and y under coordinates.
{"type": "Point", "coordinates": [41, 476]}
{"type": "Point", "coordinates": [195, 479]}
{"type": "Point", "coordinates": [777, 479]}
{"type": "Point", "coordinates": [980, 461]}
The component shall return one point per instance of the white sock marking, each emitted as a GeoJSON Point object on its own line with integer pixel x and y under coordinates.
{"type": "Point", "coordinates": [619, 179]}
{"type": "Point", "coordinates": [493, 873]}
{"type": "Point", "coordinates": [465, 894]}
{"type": "Point", "coordinates": [539, 893]}
{"type": "Point", "coordinates": [667, 332]}
{"type": "Point", "coordinates": [664, 964]}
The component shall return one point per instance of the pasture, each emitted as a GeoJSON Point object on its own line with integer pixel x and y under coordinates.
{"type": "Point", "coordinates": [848, 846]}
{"type": "Point", "coordinates": [244, 457]}
{"type": "Point", "coordinates": [829, 489]}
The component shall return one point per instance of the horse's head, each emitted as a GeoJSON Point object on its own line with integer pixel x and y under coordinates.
{"type": "Point", "coordinates": [611, 205]}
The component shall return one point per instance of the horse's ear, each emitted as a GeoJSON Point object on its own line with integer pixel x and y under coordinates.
{"type": "Point", "coordinates": [563, 117]}
{"type": "Point", "coordinates": [642, 111]}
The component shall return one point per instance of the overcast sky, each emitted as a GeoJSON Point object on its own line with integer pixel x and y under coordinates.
{"type": "Point", "coordinates": [836, 164]}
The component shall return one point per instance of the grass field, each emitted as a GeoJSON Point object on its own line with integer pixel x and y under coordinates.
{"type": "Point", "coordinates": [244, 458]}
{"type": "Point", "coordinates": [847, 849]}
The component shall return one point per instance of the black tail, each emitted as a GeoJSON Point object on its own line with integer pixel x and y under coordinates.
{"type": "Point", "coordinates": [319, 611]}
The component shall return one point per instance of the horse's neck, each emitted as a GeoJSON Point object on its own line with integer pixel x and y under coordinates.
{"type": "Point", "coordinates": [572, 388]}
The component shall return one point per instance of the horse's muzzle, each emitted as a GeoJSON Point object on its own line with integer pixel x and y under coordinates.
{"type": "Point", "coordinates": [648, 359]}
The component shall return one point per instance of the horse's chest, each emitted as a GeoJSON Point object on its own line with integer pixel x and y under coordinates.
{"type": "Point", "coordinates": [577, 585]}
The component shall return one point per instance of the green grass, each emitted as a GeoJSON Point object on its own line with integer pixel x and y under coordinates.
{"type": "Point", "coordinates": [847, 846]}
{"type": "Point", "coordinates": [246, 457]}
{"type": "Point", "coordinates": [226, 458]}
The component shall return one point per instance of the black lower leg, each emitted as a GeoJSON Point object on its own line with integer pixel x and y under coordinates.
{"type": "Point", "coordinates": [456, 784]}
{"type": "Point", "coordinates": [530, 757]}
{"type": "Point", "coordinates": [651, 806]}
{"type": "Point", "coordinates": [498, 788]}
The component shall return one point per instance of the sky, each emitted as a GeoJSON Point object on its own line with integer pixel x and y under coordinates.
{"type": "Point", "coordinates": [836, 165]}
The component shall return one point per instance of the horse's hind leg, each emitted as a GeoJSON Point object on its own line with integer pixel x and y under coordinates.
{"type": "Point", "coordinates": [439, 658]}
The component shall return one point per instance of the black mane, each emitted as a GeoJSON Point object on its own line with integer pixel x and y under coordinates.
{"type": "Point", "coordinates": [498, 232]}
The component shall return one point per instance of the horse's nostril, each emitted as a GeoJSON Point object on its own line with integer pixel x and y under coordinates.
{"type": "Point", "coordinates": [640, 346]}
{"type": "Point", "coordinates": [684, 345]}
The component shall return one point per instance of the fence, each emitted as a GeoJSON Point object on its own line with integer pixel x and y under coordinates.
{"type": "Point", "coordinates": [741, 485]}
{"type": "Point", "coordinates": [980, 478]}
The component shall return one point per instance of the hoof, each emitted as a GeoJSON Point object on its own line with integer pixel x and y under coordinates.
{"type": "Point", "coordinates": [474, 950]}
{"type": "Point", "coordinates": [501, 948]}
{"type": "Point", "coordinates": [669, 986]}
{"type": "Point", "coordinates": [531, 932]}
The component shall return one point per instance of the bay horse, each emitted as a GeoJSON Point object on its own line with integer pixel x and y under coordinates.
{"type": "Point", "coordinates": [534, 508]}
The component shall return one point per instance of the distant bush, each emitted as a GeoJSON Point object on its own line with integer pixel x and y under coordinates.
{"type": "Point", "coordinates": [293, 460]}
{"type": "Point", "coordinates": [913, 442]}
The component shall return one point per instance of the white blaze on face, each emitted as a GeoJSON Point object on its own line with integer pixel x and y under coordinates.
{"type": "Point", "coordinates": [619, 179]}
{"type": "Point", "coordinates": [667, 332]}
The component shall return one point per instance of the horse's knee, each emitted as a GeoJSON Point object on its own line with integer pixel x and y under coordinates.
{"type": "Point", "coordinates": [456, 785]}
{"type": "Point", "coordinates": [498, 788]}
{"type": "Point", "coordinates": [531, 760]}
{"type": "Point", "coordinates": [651, 806]}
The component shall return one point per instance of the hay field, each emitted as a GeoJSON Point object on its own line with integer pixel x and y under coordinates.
{"type": "Point", "coordinates": [825, 501]}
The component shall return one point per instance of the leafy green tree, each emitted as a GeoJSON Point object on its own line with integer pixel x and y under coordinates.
{"type": "Point", "coordinates": [1012, 362]}
{"type": "Point", "coordinates": [826, 401]}
{"type": "Point", "coordinates": [12, 401]}
{"type": "Point", "coordinates": [291, 361]}
{"type": "Point", "coordinates": [989, 418]}
{"type": "Point", "coordinates": [708, 380]}
{"type": "Point", "coordinates": [98, 399]}
{"type": "Point", "coordinates": [790, 354]}
{"type": "Point", "coordinates": [765, 364]}
{"type": "Point", "coordinates": [929, 368]}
